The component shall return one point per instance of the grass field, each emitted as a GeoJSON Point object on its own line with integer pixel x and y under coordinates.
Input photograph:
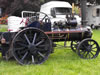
{"type": "Point", "coordinates": [3, 28]}
{"type": "Point", "coordinates": [62, 62]}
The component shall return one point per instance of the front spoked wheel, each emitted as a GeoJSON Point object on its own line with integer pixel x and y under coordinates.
{"type": "Point", "coordinates": [31, 46]}
{"type": "Point", "coordinates": [88, 49]}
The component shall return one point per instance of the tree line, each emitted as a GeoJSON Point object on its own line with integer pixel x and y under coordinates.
{"type": "Point", "coordinates": [14, 7]}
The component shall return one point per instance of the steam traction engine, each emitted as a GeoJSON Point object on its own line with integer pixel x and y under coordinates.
{"type": "Point", "coordinates": [33, 43]}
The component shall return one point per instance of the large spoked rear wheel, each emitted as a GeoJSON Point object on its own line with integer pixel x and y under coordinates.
{"type": "Point", "coordinates": [88, 49]}
{"type": "Point", "coordinates": [31, 46]}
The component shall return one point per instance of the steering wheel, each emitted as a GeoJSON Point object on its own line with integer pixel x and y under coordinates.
{"type": "Point", "coordinates": [39, 17]}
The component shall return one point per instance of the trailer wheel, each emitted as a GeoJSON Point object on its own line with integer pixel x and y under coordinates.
{"type": "Point", "coordinates": [96, 27]}
{"type": "Point", "coordinates": [88, 49]}
{"type": "Point", "coordinates": [92, 26]}
{"type": "Point", "coordinates": [74, 45]}
{"type": "Point", "coordinates": [31, 46]}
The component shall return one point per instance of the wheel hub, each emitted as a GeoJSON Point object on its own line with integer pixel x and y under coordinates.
{"type": "Point", "coordinates": [89, 48]}
{"type": "Point", "coordinates": [32, 48]}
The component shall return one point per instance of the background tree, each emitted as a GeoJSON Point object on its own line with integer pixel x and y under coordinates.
{"type": "Point", "coordinates": [14, 7]}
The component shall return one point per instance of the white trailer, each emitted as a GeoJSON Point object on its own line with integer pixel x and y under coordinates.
{"type": "Point", "coordinates": [57, 11]}
{"type": "Point", "coordinates": [93, 16]}
{"type": "Point", "coordinates": [14, 23]}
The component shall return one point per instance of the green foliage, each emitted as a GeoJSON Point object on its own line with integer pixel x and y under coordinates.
{"type": "Point", "coordinates": [62, 62]}
{"type": "Point", "coordinates": [42, 1]}
{"type": "Point", "coordinates": [76, 9]}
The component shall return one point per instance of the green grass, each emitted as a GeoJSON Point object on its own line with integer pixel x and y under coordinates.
{"type": "Point", "coordinates": [62, 62]}
{"type": "Point", "coordinates": [3, 28]}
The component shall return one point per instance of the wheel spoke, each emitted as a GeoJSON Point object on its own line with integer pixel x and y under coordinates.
{"type": "Point", "coordinates": [21, 44]}
{"type": "Point", "coordinates": [16, 49]}
{"type": "Point", "coordinates": [94, 48]}
{"type": "Point", "coordinates": [74, 44]}
{"type": "Point", "coordinates": [89, 56]}
{"type": "Point", "coordinates": [24, 56]}
{"type": "Point", "coordinates": [39, 42]}
{"type": "Point", "coordinates": [86, 54]}
{"type": "Point", "coordinates": [41, 54]}
{"type": "Point", "coordinates": [34, 38]}
{"type": "Point", "coordinates": [85, 47]}
{"type": "Point", "coordinates": [27, 39]}
{"type": "Point", "coordinates": [33, 59]}
{"type": "Point", "coordinates": [82, 53]}
{"type": "Point", "coordinates": [43, 50]}
{"type": "Point", "coordinates": [23, 51]}
{"type": "Point", "coordinates": [92, 53]}
{"type": "Point", "coordinates": [41, 46]}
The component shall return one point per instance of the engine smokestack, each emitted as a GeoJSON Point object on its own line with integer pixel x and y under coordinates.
{"type": "Point", "coordinates": [83, 12]}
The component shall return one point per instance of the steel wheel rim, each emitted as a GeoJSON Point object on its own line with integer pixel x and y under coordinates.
{"type": "Point", "coordinates": [88, 49]}
{"type": "Point", "coordinates": [30, 51]}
